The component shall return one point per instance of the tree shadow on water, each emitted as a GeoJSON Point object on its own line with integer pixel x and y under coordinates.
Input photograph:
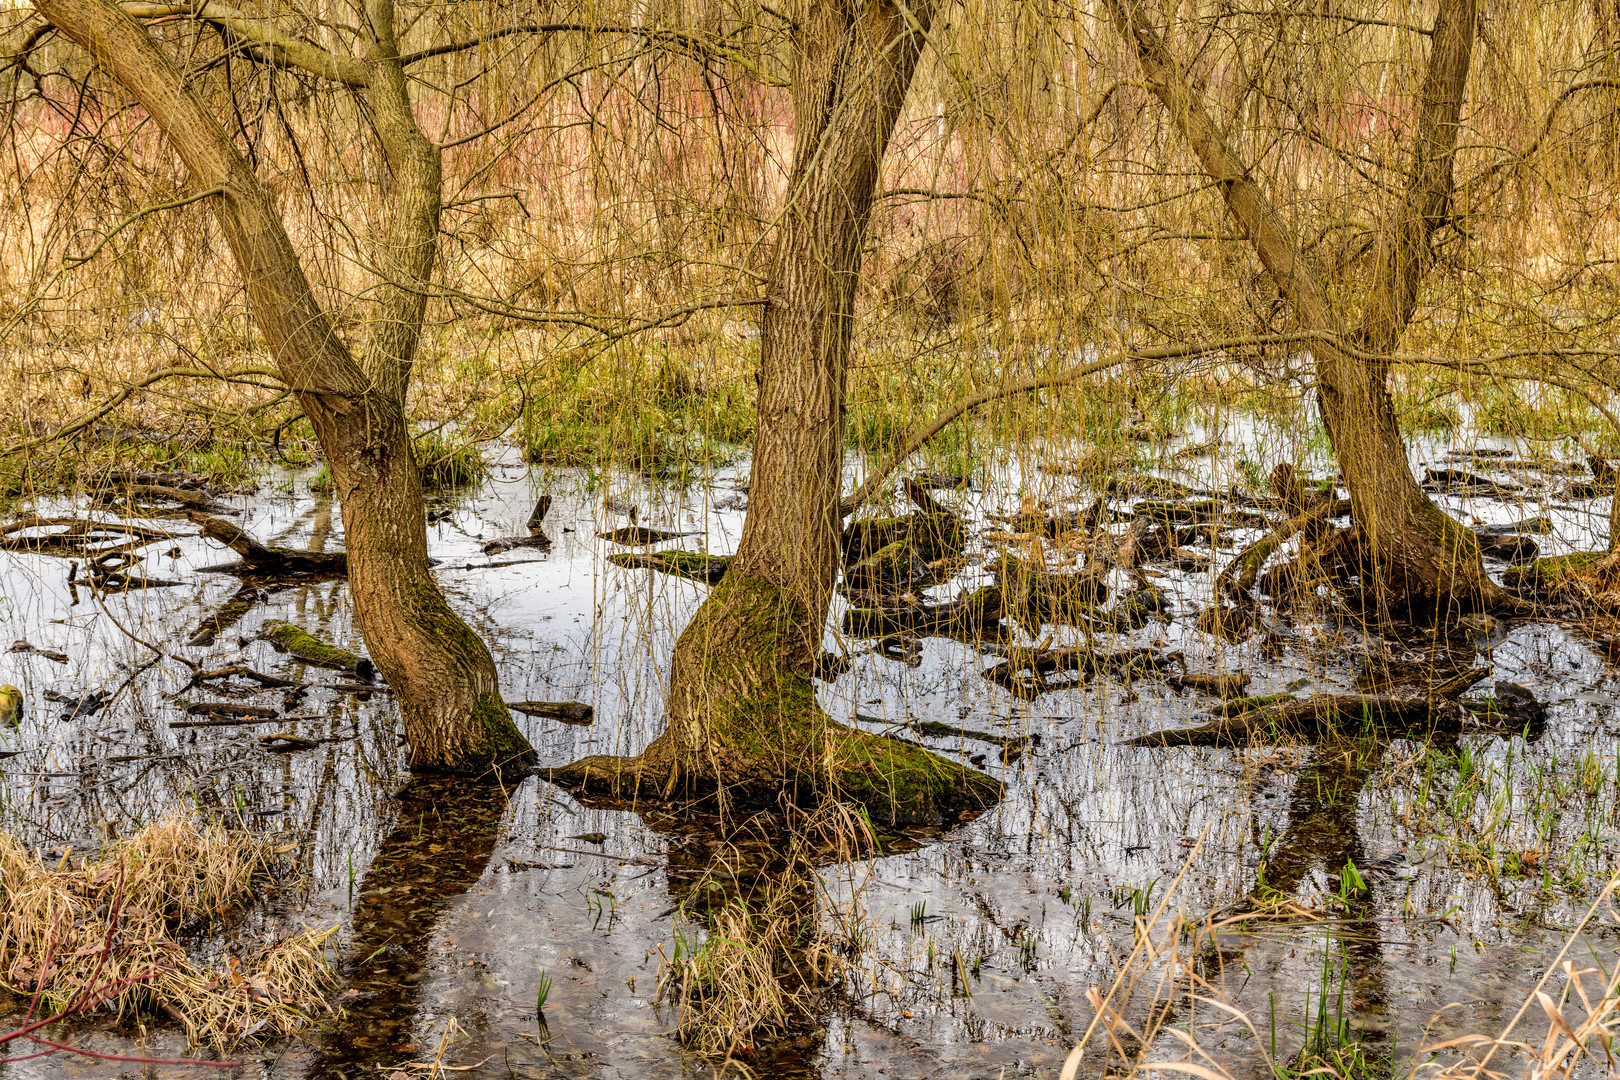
{"type": "Point", "coordinates": [444, 834]}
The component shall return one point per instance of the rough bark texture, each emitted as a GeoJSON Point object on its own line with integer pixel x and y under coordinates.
{"type": "Point", "coordinates": [1422, 558]}
{"type": "Point", "coordinates": [441, 671]}
{"type": "Point", "coordinates": [743, 717]}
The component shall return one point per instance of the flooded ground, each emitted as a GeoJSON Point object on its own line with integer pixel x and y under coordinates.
{"type": "Point", "coordinates": [1478, 854]}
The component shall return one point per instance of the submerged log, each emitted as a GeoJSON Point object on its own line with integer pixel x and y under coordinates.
{"type": "Point", "coordinates": [1319, 718]}
{"type": "Point", "coordinates": [260, 559]}
{"type": "Point", "coordinates": [688, 564]}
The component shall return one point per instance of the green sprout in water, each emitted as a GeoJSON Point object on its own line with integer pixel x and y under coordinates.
{"type": "Point", "coordinates": [543, 992]}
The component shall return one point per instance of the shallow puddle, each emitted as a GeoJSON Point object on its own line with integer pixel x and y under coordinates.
{"type": "Point", "coordinates": [1478, 856]}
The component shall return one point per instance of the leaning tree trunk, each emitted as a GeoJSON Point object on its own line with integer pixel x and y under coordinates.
{"type": "Point", "coordinates": [441, 672]}
{"type": "Point", "coordinates": [743, 717]}
{"type": "Point", "coordinates": [1421, 559]}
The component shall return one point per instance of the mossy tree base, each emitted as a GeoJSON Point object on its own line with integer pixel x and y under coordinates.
{"type": "Point", "coordinates": [745, 728]}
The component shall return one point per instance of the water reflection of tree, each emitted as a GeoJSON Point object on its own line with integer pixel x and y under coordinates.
{"type": "Point", "coordinates": [1324, 833]}
{"type": "Point", "coordinates": [444, 834]}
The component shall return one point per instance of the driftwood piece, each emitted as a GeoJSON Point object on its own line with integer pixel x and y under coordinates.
{"type": "Point", "coordinates": [569, 712]}
{"type": "Point", "coordinates": [259, 559]}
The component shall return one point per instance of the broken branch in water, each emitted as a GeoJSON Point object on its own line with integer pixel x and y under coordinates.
{"type": "Point", "coordinates": [268, 560]}
{"type": "Point", "coordinates": [569, 712]}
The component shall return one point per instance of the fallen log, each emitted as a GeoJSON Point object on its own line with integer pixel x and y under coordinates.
{"type": "Point", "coordinates": [1225, 686]}
{"type": "Point", "coordinates": [259, 559]}
{"type": "Point", "coordinates": [974, 616]}
{"type": "Point", "coordinates": [191, 499]}
{"type": "Point", "coordinates": [228, 708]}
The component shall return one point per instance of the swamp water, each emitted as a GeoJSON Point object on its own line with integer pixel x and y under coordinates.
{"type": "Point", "coordinates": [1476, 857]}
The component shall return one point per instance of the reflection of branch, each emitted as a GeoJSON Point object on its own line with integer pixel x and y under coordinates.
{"type": "Point", "coordinates": [234, 375]}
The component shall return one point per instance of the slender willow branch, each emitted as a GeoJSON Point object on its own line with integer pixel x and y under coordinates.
{"type": "Point", "coordinates": [263, 35]}
{"type": "Point", "coordinates": [234, 375]}
{"type": "Point", "coordinates": [80, 260]}
{"type": "Point", "coordinates": [1476, 182]}
{"type": "Point", "coordinates": [877, 476]}
{"type": "Point", "coordinates": [688, 43]}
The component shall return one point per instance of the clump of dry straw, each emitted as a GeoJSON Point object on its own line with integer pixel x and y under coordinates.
{"type": "Point", "coordinates": [92, 933]}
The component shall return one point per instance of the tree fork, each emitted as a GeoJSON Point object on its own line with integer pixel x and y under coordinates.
{"type": "Point", "coordinates": [1421, 557]}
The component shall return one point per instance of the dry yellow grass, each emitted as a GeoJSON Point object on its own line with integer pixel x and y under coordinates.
{"type": "Point", "coordinates": [100, 933]}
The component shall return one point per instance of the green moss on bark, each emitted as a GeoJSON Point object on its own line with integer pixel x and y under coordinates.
{"type": "Point", "coordinates": [501, 748]}
{"type": "Point", "coordinates": [745, 719]}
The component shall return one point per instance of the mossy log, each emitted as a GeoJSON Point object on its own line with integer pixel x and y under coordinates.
{"type": "Point", "coordinates": [934, 536]}
{"type": "Point", "coordinates": [1034, 596]}
{"type": "Point", "coordinates": [895, 566]}
{"type": "Point", "coordinates": [260, 559]}
{"type": "Point", "coordinates": [1023, 670]}
{"type": "Point", "coordinates": [1552, 572]}
{"type": "Point", "coordinates": [687, 564]}
{"type": "Point", "coordinates": [1320, 718]}
{"type": "Point", "coordinates": [974, 616]}
{"type": "Point", "coordinates": [1239, 576]}
{"type": "Point", "coordinates": [305, 646]}
{"type": "Point", "coordinates": [746, 729]}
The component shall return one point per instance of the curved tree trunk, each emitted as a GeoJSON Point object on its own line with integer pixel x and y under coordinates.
{"type": "Point", "coordinates": [443, 675]}
{"type": "Point", "coordinates": [743, 717]}
{"type": "Point", "coordinates": [1422, 559]}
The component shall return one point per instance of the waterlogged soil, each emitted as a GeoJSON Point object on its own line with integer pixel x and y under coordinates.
{"type": "Point", "coordinates": [1477, 856]}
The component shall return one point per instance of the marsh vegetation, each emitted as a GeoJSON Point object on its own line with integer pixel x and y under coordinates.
{"type": "Point", "coordinates": [920, 539]}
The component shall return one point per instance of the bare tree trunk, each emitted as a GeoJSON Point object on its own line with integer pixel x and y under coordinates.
{"type": "Point", "coordinates": [743, 716]}
{"type": "Point", "coordinates": [444, 676]}
{"type": "Point", "coordinates": [1422, 559]}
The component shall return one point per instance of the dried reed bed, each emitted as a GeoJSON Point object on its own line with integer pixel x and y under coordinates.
{"type": "Point", "coordinates": [101, 932]}
{"type": "Point", "coordinates": [1167, 1010]}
